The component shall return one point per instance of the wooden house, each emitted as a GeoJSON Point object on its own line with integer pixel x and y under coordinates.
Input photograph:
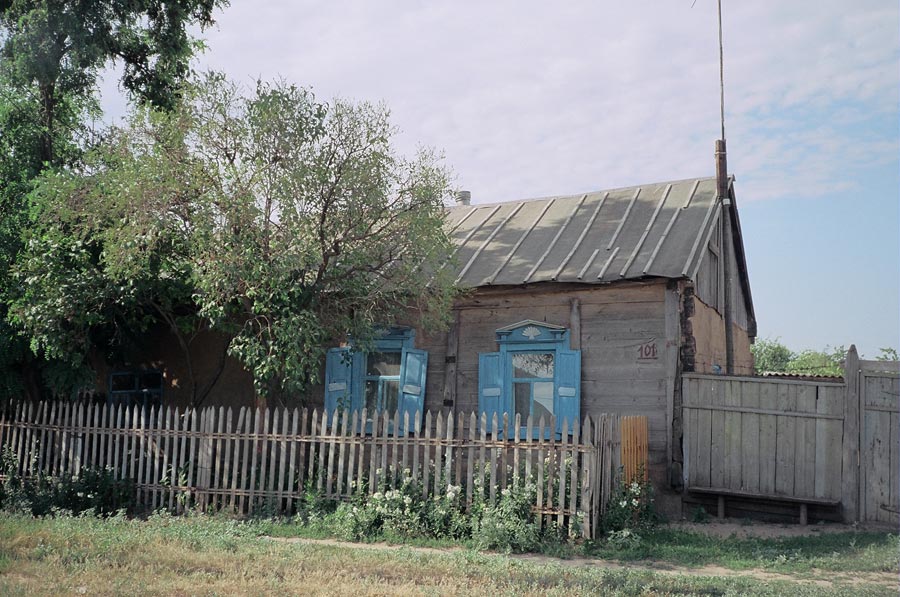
{"type": "Point", "coordinates": [576, 305]}
{"type": "Point", "coordinates": [579, 304]}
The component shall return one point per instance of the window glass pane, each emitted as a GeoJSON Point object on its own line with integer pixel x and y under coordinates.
{"type": "Point", "coordinates": [523, 400]}
{"type": "Point", "coordinates": [382, 364]}
{"type": "Point", "coordinates": [371, 395]}
{"type": "Point", "coordinates": [391, 390]}
{"type": "Point", "coordinates": [543, 399]}
{"type": "Point", "coordinates": [532, 364]}
{"type": "Point", "coordinates": [151, 380]}
{"type": "Point", "coordinates": [122, 382]}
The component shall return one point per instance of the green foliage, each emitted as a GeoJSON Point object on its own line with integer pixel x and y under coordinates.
{"type": "Point", "coordinates": [509, 524]}
{"type": "Point", "coordinates": [631, 506]}
{"type": "Point", "coordinates": [771, 356]}
{"type": "Point", "coordinates": [403, 513]}
{"type": "Point", "coordinates": [56, 50]}
{"type": "Point", "coordinates": [51, 54]}
{"type": "Point", "coordinates": [93, 490]}
{"type": "Point", "coordinates": [268, 216]}
{"type": "Point", "coordinates": [699, 515]}
{"type": "Point", "coordinates": [887, 354]}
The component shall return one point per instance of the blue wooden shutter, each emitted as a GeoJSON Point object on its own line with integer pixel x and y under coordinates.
{"type": "Point", "coordinates": [568, 386]}
{"type": "Point", "coordinates": [413, 368]}
{"type": "Point", "coordinates": [338, 380]}
{"type": "Point", "coordinates": [490, 385]}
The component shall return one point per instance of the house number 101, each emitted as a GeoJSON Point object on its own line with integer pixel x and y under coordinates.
{"type": "Point", "coordinates": [648, 350]}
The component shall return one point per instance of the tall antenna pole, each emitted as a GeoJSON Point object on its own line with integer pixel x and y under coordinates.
{"type": "Point", "coordinates": [721, 74]}
{"type": "Point", "coordinates": [724, 198]}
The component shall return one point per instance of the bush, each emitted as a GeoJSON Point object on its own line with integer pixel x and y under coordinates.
{"type": "Point", "coordinates": [631, 505]}
{"type": "Point", "coordinates": [92, 490]}
{"type": "Point", "coordinates": [509, 524]}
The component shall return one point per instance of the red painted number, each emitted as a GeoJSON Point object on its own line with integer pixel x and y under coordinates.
{"type": "Point", "coordinates": [647, 351]}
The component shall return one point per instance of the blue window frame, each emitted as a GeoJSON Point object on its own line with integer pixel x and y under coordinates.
{"type": "Point", "coordinates": [533, 373]}
{"type": "Point", "coordinates": [388, 378]}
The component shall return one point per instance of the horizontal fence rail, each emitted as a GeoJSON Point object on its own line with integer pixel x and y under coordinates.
{"type": "Point", "coordinates": [265, 460]}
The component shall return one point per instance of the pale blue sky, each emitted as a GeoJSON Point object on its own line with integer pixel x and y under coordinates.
{"type": "Point", "coordinates": [529, 99]}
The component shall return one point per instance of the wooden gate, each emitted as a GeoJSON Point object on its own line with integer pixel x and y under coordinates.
{"type": "Point", "coordinates": [879, 399]}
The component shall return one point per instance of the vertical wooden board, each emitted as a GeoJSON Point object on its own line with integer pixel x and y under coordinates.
{"type": "Point", "coordinates": [495, 423]}
{"type": "Point", "coordinates": [733, 425]}
{"type": "Point", "coordinates": [343, 438]}
{"type": "Point", "coordinates": [704, 446]}
{"type": "Point", "coordinates": [180, 464]}
{"type": "Point", "coordinates": [877, 435]}
{"type": "Point", "coordinates": [416, 448]}
{"type": "Point", "coordinates": [689, 445]}
{"type": "Point", "coordinates": [438, 436]}
{"type": "Point", "coordinates": [805, 471]}
{"type": "Point", "coordinates": [504, 460]}
{"type": "Point", "coordinates": [768, 399]}
{"type": "Point", "coordinates": [43, 448]}
{"type": "Point", "coordinates": [236, 458]}
{"type": "Point", "coordinates": [587, 472]}
{"type": "Point", "coordinates": [448, 452]}
{"type": "Point", "coordinates": [750, 447]}
{"type": "Point", "coordinates": [894, 475]}
{"type": "Point", "coordinates": [540, 472]}
{"type": "Point", "coordinates": [481, 455]}
{"type": "Point", "coordinates": [292, 461]}
{"type": "Point", "coordinates": [821, 467]}
{"type": "Point", "coordinates": [551, 462]}
{"type": "Point", "coordinates": [718, 449]}
{"type": "Point", "coordinates": [470, 461]}
{"type": "Point", "coordinates": [266, 455]}
{"type": "Point", "coordinates": [383, 442]}
{"type": "Point", "coordinates": [529, 450]}
{"type": "Point", "coordinates": [247, 479]}
{"type": "Point", "coordinates": [304, 434]}
{"type": "Point", "coordinates": [785, 455]}
{"type": "Point", "coordinates": [460, 433]}
{"type": "Point", "coordinates": [575, 469]}
{"type": "Point", "coordinates": [373, 453]}
{"type": "Point", "coordinates": [561, 493]}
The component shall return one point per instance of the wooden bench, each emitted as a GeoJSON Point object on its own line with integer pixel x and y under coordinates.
{"type": "Point", "coordinates": [804, 502]}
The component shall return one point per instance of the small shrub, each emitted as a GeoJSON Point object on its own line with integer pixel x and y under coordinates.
{"type": "Point", "coordinates": [92, 490]}
{"type": "Point", "coordinates": [509, 524]}
{"type": "Point", "coordinates": [700, 515]}
{"type": "Point", "coordinates": [624, 539]}
{"type": "Point", "coordinates": [631, 506]}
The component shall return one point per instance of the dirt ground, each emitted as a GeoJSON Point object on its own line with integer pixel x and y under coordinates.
{"type": "Point", "coordinates": [725, 528]}
{"type": "Point", "coordinates": [738, 528]}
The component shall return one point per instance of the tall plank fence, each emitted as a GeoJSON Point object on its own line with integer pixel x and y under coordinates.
{"type": "Point", "coordinates": [256, 460]}
{"type": "Point", "coordinates": [829, 443]}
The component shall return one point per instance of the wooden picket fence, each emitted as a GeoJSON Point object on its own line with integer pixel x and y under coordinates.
{"type": "Point", "coordinates": [263, 460]}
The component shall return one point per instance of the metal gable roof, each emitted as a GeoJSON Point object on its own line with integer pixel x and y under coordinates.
{"type": "Point", "coordinates": [653, 230]}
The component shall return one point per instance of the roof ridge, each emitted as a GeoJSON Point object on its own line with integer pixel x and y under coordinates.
{"type": "Point", "coordinates": [582, 193]}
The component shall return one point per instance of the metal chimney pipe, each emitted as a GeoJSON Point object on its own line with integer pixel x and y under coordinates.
{"type": "Point", "coordinates": [463, 198]}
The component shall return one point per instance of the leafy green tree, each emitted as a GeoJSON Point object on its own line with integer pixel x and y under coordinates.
{"type": "Point", "coordinates": [51, 54]}
{"type": "Point", "coordinates": [56, 49]}
{"type": "Point", "coordinates": [887, 354]}
{"type": "Point", "coordinates": [282, 222]}
{"type": "Point", "coordinates": [770, 356]}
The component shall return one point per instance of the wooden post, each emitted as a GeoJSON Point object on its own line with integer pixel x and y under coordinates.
{"type": "Point", "coordinates": [575, 324]}
{"type": "Point", "coordinates": [850, 481]}
{"type": "Point", "coordinates": [449, 394]}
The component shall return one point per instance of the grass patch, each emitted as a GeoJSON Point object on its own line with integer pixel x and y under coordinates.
{"type": "Point", "coordinates": [201, 555]}
{"type": "Point", "coordinates": [837, 552]}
